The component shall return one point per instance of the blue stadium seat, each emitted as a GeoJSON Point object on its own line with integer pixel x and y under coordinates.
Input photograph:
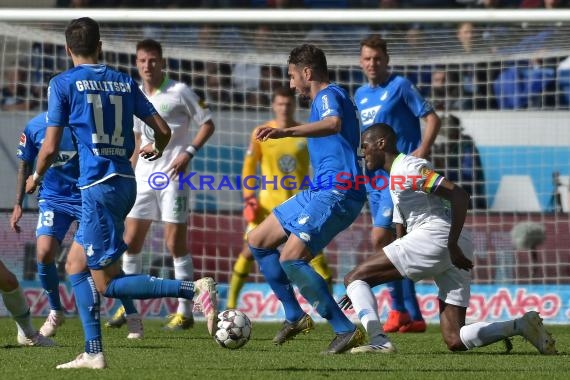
{"type": "Point", "coordinates": [564, 86]}
{"type": "Point", "coordinates": [520, 87]}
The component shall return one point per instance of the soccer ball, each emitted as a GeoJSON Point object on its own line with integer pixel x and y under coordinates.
{"type": "Point", "coordinates": [234, 329]}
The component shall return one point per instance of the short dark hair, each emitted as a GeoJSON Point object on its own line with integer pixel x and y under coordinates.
{"type": "Point", "coordinates": [374, 41]}
{"type": "Point", "coordinates": [82, 36]}
{"type": "Point", "coordinates": [308, 55]}
{"type": "Point", "coordinates": [379, 130]}
{"type": "Point", "coordinates": [286, 92]}
{"type": "Point", "coordinates": [150, 45]}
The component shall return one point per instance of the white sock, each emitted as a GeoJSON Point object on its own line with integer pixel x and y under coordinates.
{"type": "Point", "coordinates": [184, 270]}
{"type": "Point", "coordinates": [480, 334]}
{"type": "Point", "coordinates": [17, 306]}
{"type": "Point", "coordinates": [132, 264]}
{"type": "Point", "coordinates": [365, 306]}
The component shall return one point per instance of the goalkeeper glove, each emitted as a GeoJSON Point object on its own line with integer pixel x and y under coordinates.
{"type": "Point", "coordinates": [250, 208]}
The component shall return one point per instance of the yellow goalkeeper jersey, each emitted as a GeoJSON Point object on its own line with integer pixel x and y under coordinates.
{"type": "Point", "coordinates": [278, 158]}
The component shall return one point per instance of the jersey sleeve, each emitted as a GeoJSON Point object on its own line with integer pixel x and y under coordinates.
{"type": "Point", "coordinates": [143, 106]}
{"type": "Point", "coordinates": [252, 158]}
{"type": "Point", "coordinates": [137, 125]}
{"type": "Point", "coordinates": [58, 102]}
{"type": "Point", "coordinates": [197, 108]}
{"type": "Point", "coordinates": [414, 100]}
{"type": "Point", "coordinates": [327, 105]}
{"type": "Point", "coordinates": [397, 215]}
{"type": "Point", "coordinates": [27, 150]}
{"type": "Point", "coordinates": [422, 176]}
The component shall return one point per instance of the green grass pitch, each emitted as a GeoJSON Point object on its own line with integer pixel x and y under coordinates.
{"type": "Point", "coordinates": [193, 354]}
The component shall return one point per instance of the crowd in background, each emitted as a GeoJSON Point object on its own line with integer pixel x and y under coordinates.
{"type": "Point", "coordinates": [477, 76]}
{"type": "Point", "coordinates": [528, 4]}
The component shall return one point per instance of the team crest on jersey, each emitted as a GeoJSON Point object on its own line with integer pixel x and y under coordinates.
{"type": "Point", "coordinates": [164, 107]}
{"type": "Point", "coordinates": [384, 96]}
{"type": "Point", "coordinates": [287, 163]}
{"type": "Point", "coordinates": [425, 171]}
{"type": "Point", "coordinates": [325, 100]}
{"type": "Point", "coordinates": [23, 139]}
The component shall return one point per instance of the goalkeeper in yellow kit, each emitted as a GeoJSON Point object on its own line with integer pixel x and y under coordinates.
{"type": "Point", "coordinates": [277, 159]}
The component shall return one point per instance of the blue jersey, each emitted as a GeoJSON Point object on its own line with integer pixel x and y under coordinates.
{"type": "Point", "coordinates": [398, 103]}
{"type": "Point", "coordinates": [335, 154]}
{"type": "Point", "coordinates": [60, 180]}
{"type": "Point", "coordinates": [98, 105]}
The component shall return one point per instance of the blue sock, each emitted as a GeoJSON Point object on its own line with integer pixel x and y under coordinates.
{"type": "Point", "coordinates": [410, 300]}
{"type": "Point", "coordinates": [142, 286]}
{"type": "Point", "coordinates": [87, 301]}
{"type": "Point", "coordinates": [316, 291]}
{"type": "Point", "coordinates": [50, 282]}
{"type": "Point", "coordinates": [397, 295]}
{"type": "Point", "coordinates": [268, 261]}
{"type": "Point", "coordinates": [129, 306]}
{"type": "Point", "coordinates": [128, 303]}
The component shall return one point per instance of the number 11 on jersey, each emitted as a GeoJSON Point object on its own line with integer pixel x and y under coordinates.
{"type": "Point", "coordinates": [100, 137]}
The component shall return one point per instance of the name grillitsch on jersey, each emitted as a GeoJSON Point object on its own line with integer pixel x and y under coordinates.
{"type": "Point", "coordinates": [108, 86]}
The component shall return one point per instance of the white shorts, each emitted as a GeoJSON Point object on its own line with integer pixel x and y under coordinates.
{"type": "Point", "coordinates": [168, 205]}
{"type": "Point", "coordinates": [423, 253]}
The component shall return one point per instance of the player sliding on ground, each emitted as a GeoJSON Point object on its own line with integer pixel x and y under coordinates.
{"type": "Point", "coordinates": [431, 244]}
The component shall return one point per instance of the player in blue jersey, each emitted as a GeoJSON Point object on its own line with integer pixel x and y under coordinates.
{"type": "Point", "coordinates": [307, 222]}
{"type": "Point", "coordinates": [431, 244]}
{"type": "Point", "coordinates": [98, 104]}
{"type": "Point", "coordinates": [394, 100]}
{"type": "Point", "coordinates": [59, 205]}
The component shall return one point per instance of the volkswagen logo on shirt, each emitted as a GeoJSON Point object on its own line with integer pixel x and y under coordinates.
{"type": "Point", "coordinates": [287, 163]}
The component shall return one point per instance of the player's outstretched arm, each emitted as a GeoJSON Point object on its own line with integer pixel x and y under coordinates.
{"type": "Point", "coordinates": [24, 171]}
{"type": "Point", "coordinates": [325, 127]}
{"type": "Point", "coordinates": [459, 200]}
{"type": "Point", "coordinates": [46, 156]}
{"type": "Point", "coordinates": [162, 135]}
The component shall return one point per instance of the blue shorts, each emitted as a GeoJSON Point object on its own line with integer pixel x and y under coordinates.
{"type": "Point", "coordinates": [104, 209]}
{"type": "Point", "coordinates": [55, 218]}
{"type": "Point", "coordinates": [317, 216]}
{"type": "Point", "coordinates": [381, 207]}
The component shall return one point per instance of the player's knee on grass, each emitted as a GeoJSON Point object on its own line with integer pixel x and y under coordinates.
{"type": "Point", "coordinates": [353, 275]}
{"type": "Point", "coordinates": [453, 342]}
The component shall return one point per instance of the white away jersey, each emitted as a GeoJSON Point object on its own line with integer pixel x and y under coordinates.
{"type": "Point", "coordinates": [178, 105]}
{"type": "Point", "coordinates": [412, 182]}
